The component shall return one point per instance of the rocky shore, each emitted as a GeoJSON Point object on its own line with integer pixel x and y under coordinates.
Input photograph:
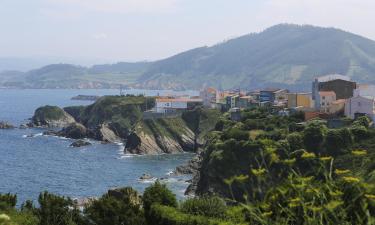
{"type": "Point", "coordinates": [119, 119]}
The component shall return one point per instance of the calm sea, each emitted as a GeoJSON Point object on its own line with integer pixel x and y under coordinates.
{"type": "Point", "coordinates": [31, 165]}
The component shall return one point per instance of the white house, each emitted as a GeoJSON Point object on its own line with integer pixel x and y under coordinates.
{"type": "Point", "coordinates": [170, 105]}
{"type": "Point", "coordinates": [360, 106]}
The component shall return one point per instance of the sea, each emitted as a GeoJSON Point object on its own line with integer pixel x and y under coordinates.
{"type": "Point", "coordinates": [31, 163]}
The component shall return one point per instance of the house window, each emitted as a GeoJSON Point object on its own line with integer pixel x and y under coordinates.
{"type": "Point", "coordinates": [323, 103]}
{"type": "Point", "coordinates": [359, 104]}
{"type": "Point", "coordinates": [324, 97]}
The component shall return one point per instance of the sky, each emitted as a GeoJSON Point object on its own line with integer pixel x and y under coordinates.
{"type": "Point", "coordinates": [104, 31]}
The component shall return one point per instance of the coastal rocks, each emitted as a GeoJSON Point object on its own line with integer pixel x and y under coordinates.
{"type": "Point", "coordinates": [190, 168]}
{"type": "Point", "coordinates": [6, 125]}
{"type": "Point", "coordinates": [145, 144]}
{"type": "Point", "coordinates": [74, 131]}
{"type": "Point", "coordinates": [50, 116]}
{"type": "Point", "coordinates": [146, 177]}
{"type": "Point", "coordinates": [50, 133]}
{"type": "Point", "coordinates": [105, 134]}
{"type": "Point", "coordinates": [80, 143]}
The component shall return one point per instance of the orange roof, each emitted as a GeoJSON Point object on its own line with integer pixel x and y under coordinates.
{"type": "Point", "coordinates": [327, 93]}
{"type": "Point", "coordinates": [178, 100]}
{"type": "Point", "coordinates": [211, 90]}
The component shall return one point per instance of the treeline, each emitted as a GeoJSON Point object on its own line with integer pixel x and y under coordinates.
{"type": "Point", "coordinates": [157, 206]}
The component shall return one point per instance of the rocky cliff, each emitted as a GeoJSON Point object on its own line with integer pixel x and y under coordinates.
{"type": "Point", "coordinates": [120, 119]}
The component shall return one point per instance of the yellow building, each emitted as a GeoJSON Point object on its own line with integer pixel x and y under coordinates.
{"type": "Point", "coordinates": [299, 100]}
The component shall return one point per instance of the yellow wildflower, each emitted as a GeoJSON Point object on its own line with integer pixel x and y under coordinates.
{"type": "Point", "coordinates": [294, 200]}
{"type": "Point", "coordinates": [315, 208]}
{"type": "Point", "coordinates": [336, 193]}
{"type": "Point", "coordinates": [241, 178]}
{"type": "Point", "coordinates": [258, 172]}
{"type": "Point", "coordinates": [290, 161]}
{"type": "Point", "coordinates": [4, 217]}
{"type": "Point", "coordinates": [324, 159]}
{"type": "Point", "coordinates": [293, 205]}
{"type": "Point", "coordinates": [306, 179]}
{"type": "Point", "coordinates": [351, 179]}
{"type": "Point", "coordinates": [308, 155]}
{"type": "Point", "coordinates": [359, 152]}
{"type": "Point", "coordinates": [267, 214]}
{"type": "Point", "coordinates": [333, 205]}
{"type": "Point", "coordinates": [340, 172]}
{"type": "Point", "coordinates": [369, 196]}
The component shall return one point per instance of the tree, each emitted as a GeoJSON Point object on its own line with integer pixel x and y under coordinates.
{"type": "Point", "coordinates": [54, 210]}
{"type": "Point", "coordinates": [362, 121]}
{"type": "Point", "coordinates": [7, 201]}
{"type": "Point", "coordinates": [295, 141]}
{"type": "Point", "coordinates": [313, 136]}
{"type": "Point", "coordinates": [157, 194]}
{"type": "Point", "coordinates": [119, 207]}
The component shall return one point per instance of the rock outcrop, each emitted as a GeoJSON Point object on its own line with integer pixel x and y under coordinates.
{"type": "Point", "coordinates": [160, 136]}
{"type": "Point", "coordinates": [51, 116]}
{"type": "Point", "coordinates": [74, 131]}
{"type": "Point", "coordinates": [6, 125]}
{"type": "Point", "coordinates": [80, 143]}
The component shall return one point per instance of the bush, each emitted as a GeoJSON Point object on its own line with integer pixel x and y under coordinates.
{"type": "Point", "coordinates": [236, 134]}
{"type": "Point", "coordinates": [313, 136]}
{"type": "Point", "coordinates": [157, 194]}
{"type": "Point", "coordinates": [163, 215]}
{"type": "Point", "coordinates": [295, 141]}
{"type": "Point", "coordinates": [359, 132]}
{"type": "Point", "coordinates": [121, 208]}
{"type": "Point", "coordinates": [7, 201]}
{"type": "Point", "coordinates": [205, 206]}
{"type": "Point", "coordinates": [54, 210]}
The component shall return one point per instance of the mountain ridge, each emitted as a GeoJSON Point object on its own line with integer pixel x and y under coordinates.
{"type": "Point", "coordinates": [284, 55]}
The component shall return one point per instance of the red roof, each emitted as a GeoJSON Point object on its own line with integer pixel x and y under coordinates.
{"type": "Point", "coordinates": [327, 93]}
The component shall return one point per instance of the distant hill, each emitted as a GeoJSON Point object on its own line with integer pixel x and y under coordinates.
{"type": "Point", "coordinates": [284, 55]}
{"type": "Point", "coordinates": [281, 56]}
{"type": "Point", "coordinates": [72, 76]}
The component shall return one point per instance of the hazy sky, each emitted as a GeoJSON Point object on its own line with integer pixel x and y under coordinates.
{"type": "Point", "coordinates": [131, 30]}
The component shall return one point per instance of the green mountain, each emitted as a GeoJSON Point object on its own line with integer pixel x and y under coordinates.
{"type": "Point", "coordinates": [72, 76]}
{"type": "Point", "coordinates": [283, 55]}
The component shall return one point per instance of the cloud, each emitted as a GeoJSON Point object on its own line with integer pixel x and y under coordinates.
{"type": "Point", "coordinates": [100, 36]}
{"type": "Point", "coordinates": [120, 6]}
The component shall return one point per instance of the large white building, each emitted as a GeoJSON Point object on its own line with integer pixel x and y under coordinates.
{"type": "Point", "coordinates": [360, 106]}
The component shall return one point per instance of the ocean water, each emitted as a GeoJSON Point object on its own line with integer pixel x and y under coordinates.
{"type": "Point", "coordinates": [30, 165]}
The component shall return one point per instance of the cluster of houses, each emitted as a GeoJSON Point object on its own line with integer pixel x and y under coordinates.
{"type": "Point", "coordinates": [331, 96]}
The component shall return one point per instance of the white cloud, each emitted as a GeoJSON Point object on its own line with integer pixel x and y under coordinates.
{"type": "Point", "coordinates": [100, 36]}
{"type": "Point", "coordinates": [120, 6]}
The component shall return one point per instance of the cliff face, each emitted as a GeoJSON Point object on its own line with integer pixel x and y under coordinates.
{"type": "Point", "coordinates": [161, 136]}
{"type": "Point", "coordinates": [120, 119]}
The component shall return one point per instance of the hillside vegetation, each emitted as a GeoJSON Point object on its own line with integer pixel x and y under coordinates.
{"type": "Point", "coordinates": [284, 55]}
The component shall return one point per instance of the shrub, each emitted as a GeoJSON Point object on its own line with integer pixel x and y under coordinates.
{"type": "Point", "coordinates": [359, 132]}
{"type": "Point", "coordinates": [7, 201]}
{"type": "Point", "coordinates": [121, 208]}
{"type": "Point", "coordinates": [237, 134]}
{"type": "Point", "coordinates": [313, 136]}
{"type": "Point", "coordinates": [295, 141]}
{"type": "Point", "coordinates": [205, 206]}
{"type": "Point", "coordinates": [157, 194]}
{"type": "Point", "coordinates": [54, 210]}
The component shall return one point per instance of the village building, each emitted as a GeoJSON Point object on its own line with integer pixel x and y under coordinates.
{"type": "Point", "coordinates": [272, 95]}
{"type": "Point", "coordinates": [209, 96]}
{"type": "Point", "coordinates": [341, 85]}
{"type": "Point", "coordinates": [337, 107]}
{"type": "Point", "coordinates": [303, 100]}
{"type": "Point", "coordinates": [325, 100]}
{"type": "Point", "coordinates": [172, 105]}
{"type": "Point", "coordinates": [360, 106]}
